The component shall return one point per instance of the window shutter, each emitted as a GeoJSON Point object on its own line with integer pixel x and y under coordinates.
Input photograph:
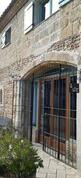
{"type": "Point", "coordinates": [55, 5]}
{"type": "Point", "coordinates": [63, 2]}
{"type": "Point", "coordinates": [28, 17]}
{"type": "Point", "coordinates": [3, 40]}
{"type": "Point", "coordinates": [47, 9]}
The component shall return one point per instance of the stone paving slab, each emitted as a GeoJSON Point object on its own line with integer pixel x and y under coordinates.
{"type": "Point", "coordinates": [54, 168]}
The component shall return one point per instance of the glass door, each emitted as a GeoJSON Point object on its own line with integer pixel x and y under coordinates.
{"type": "Point", "coordinates": [59, 115]}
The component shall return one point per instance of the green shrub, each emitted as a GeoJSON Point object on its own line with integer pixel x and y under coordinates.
{"type": "Point", "coordinates": [17, 156]}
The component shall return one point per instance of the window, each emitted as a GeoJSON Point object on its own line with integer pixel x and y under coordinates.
{"type": "Point", "coordinates": [45, 9]}
{"type": "Point", "coordinates": [38, 11]}
{"type": "Point", "coordinates": [0, 96]}
{"type": "Point", "coordinates": [6, 38]}
{"type": "Point", "coordinates": [63, 2]}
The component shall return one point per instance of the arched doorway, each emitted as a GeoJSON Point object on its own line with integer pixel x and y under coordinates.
{"type": "Point", "coordinates": [52, 118]}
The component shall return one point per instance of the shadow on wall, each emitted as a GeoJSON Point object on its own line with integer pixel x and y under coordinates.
{"type": "Point", "coordinates": [5, 121]}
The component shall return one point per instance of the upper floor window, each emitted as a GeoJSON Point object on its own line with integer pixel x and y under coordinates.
{"type": "Point", "coordinates": [6, 38]}
{"type": "Point", "coordinates": [37, 11]}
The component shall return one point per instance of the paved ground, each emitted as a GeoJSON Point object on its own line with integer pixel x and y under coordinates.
{"type": "Point", "coordinates": [54, 168]}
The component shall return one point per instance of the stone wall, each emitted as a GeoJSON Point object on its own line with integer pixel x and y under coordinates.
{"type": "Point", "coordinates": [58, 27]}
{"type": "Point", "coordinates": [55, 40]}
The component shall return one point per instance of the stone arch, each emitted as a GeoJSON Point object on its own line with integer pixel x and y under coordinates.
{"type": "Point", "coordinates": [39, 64]}
{"type": "Point", "coordinates": [50, 59]}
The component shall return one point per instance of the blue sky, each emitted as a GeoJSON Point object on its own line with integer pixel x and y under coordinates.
{"type": "Point", "coordinates": [3, 5]}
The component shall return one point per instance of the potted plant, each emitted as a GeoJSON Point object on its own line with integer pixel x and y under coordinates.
{"type": "Point", "coordinates": [18, 158]}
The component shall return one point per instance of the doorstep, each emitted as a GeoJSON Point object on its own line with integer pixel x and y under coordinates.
{"type": "Point", "coordinates": [54, 168]}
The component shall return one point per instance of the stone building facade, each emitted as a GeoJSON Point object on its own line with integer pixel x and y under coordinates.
{"type": "Point", "coordinates": [40, 75]}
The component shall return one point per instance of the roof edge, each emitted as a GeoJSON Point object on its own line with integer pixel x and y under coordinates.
{"type": "Point", "coordinates": [10, 12]}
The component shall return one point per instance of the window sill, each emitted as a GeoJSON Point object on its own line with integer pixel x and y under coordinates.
{"type": "Point", "coordinates": [62, 3]}
{"type": "Point", "coordinates": [40, 23]}
{"type": "Point", "coordinates": [6, 45]}
{"type": "Point", "coordinates": [28, 29]}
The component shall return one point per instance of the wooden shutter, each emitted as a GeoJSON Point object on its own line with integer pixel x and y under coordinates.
{"type": "Point", "coordinates": [47, 9]}
{"type": "Point", "coordinates": [55, 5]}
{"type": "Point", "coordinates": [3, 40]}
{"type": "Point", "coordinates": [28, 17]}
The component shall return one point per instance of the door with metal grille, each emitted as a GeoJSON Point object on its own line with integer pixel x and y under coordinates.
{"type": "Point", "coordinates": [55, 114]}
{"type": "Point", "coordinates": [58, 117]}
